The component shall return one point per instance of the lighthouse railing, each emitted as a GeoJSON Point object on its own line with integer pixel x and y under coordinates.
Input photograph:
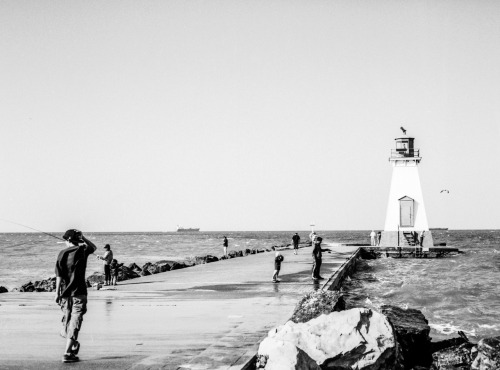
{"type": "Point", "coordinates": [401, 153]}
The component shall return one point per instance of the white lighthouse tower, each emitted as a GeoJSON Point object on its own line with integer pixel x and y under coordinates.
{"type": "Point", "coordinates": [405, 209]}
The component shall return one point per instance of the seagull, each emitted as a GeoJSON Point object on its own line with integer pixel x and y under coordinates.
{"type": "Point", "coordinates": [445, 191]}
{"type": "Point", "coordinates": [403, 129]}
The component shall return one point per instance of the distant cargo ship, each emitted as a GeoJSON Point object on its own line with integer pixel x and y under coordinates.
{"type": "Point", "coordinates": [438, 228]}
{"type": "Point", "coordinates": [181, 229]}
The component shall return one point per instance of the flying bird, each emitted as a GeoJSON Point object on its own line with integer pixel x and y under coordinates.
{"type": "Point", "coordinates": [445, 191]}
{"type": "Point", "coordinates": [403, 129]}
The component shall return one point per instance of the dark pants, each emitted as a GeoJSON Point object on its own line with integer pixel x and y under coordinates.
{"type": "Point", "coordinates": [107, 273]}
{"type": "Point", "coordinates": [316, 268]}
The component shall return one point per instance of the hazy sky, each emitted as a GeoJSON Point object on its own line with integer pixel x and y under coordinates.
{"type": "Point", "coordinates": [245, 115]}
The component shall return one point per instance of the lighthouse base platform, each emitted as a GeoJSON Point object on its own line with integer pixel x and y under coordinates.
{"type": "Point", "coordinates": [407, 252]}
{"type": "Point", "coordinates": [404, 238]}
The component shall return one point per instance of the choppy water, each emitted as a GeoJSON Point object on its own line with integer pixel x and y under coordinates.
{"type": "Point", "coordinates": [454, 293]}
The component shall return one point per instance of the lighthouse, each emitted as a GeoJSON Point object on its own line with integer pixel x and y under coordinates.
{"type": "Point", "coordinates": [405, 209]}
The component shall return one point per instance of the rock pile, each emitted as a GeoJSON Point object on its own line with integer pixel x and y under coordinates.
{"type": "Point", "coordinates": [322, 335]}
{"type": "Point", "coordinates": [133, 271]}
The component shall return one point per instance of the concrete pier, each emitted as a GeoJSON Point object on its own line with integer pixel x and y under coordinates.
{"type": "Point", "coordinates": [210, 316]}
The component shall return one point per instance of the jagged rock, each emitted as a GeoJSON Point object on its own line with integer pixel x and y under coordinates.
{"type": "Point", "coordinates": [125, 273]}
{"type": "Point", "coordinates": [96, 277]}
{"type": "Point", "coordinates": [163, 266]}
{"type": "Point", "coordinates": [28, 287]}
{"type": "Point", "coordinates": [248, 251]}
{"type": "Point", "coordinates": [454, 358]}
{"type": "Point", "coordinates": [284, 355]}
{"type": "Point", "coordinates": [144, 272]}
{"type": "Point", "coordinates": [253, 251]}
{"type": "Point", "coordinates": [239, 254]}
{"type": "Point", "coordinates": [151, 268]}
{"type": "Point", "coordinates": [488, 354]}
{"type": "Point", "coordinates": [3, 289]}
{"type": "Point", "coordinates": [178, 265]}
{"type": "Point", "coordinates": [447, 343]}
{"type": "Point", "coordinates": [232, 254]}
{"type": "Point", "coordinates": [412, 333]}
{"type": "Point", "coordinates": [358, 338]}
{"type": "Point", "coordinates": [134, 268]}
{"type": "Point", "coordinates": [316, 303]}
{"type": "Point", "coordinates": [47, 285]}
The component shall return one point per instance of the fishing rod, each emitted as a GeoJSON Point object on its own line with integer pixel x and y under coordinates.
{"type": "Point", "coordinates": [31, 228]}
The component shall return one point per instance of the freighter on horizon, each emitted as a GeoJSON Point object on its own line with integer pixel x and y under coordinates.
{"type": "Point", "coordinates": [186, 229]}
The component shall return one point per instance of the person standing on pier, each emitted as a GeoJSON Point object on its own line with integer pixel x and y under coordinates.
{"type": "Point", "coordinates": [107, 258]}
{"type": "Point", "coordinates": [318, 258]}
{"type": "Point", "coordinates": [313, 237]}
{"type": "Point", "coordinates": [422, 234]}
{"type": "Point", "coordinates": [71, 288]}
{"type": "Point", "coordinates": [225, 244]}
{"type": "Point", "coordinates": [379, 236]}
{"type": "Point", "coordinates": [296, 240]}
{"type": "Point", "coordinates": [372, 238]}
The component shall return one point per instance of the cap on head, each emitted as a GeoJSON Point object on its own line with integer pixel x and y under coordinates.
{"type": "Point", "coordinates": [107, 247]}
{"type": "Point", "coordinates": [319, 239]}
{"type": "Point", "coordinates": [73, 236]}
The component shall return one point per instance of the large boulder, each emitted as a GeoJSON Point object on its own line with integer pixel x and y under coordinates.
{"type": "Point", "coordinates": [198, 260]}
{"type": "Point", "coordinates": [47, 285]}
{"type": "Point", "coordinates": [358, 338]}
{"type": "Point", "coordinates": [488, 354]}
{"type": "Point", "coordinates": [28, 287]}
{"type": "Point", "coordinates": [317, 303]}
{"type": "Point", "coordinates": [134, 268]}
{"type": "Point", "coordinates": [125, 273]}
{"type": "Point", "coordinates": [152, 268]}
{"type": "Point", "coordinates": [291, 357]}
{"type": "Point", "coordinates": [454, 358]}
{"type": "Point", "coordinates": [412, 333]}
{"type": "Point", "coordinates": [3, 289]}
{"type": "Point", "coordinates": [95, 278]}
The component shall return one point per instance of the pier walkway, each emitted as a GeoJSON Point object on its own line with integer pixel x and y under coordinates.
{"type": "Point", "coordinates": [209, 316]}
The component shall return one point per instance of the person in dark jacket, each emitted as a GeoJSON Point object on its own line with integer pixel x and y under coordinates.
{"type": "Point", "coordinates": [296, 241]}
{"type": "Point", "coordinates": [277, 266]}
{"type": "Point", "coordinates": [71, 288]}
{"type": "Point", "coordinates": [317, 258]}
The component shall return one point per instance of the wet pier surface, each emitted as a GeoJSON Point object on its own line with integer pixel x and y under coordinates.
{"type": "Point", "coordinates": [210, 316]}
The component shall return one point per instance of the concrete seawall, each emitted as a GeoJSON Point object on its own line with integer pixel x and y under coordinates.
{"type": "Point", "coordinates": [210, 316]}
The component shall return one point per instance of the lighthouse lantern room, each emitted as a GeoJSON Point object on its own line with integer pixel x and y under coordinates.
{"type": "Point", "coordinates": [405, 217]}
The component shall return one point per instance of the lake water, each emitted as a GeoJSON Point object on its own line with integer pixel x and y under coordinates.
{"type": "Point", "coordinates": [454, 293]}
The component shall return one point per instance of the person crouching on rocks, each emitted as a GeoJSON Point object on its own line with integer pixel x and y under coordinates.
{"type": "Point", "coordinates": [107, 258]}
{"type": "Point", "coordinates": [277, 266]}
{"type": "Point", "coordinates": [71, 288]}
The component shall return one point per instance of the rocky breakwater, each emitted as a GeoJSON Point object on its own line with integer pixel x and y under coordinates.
{"type": "Point", "coordinates": [323, 335]}
{"type": "Point", "coordinates": [133, 271]}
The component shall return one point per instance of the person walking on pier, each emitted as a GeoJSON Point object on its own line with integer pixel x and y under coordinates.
{"type": "Point", "coordinates": [225, 244]}
{"type": "Point", "coordinates": [277, 266]}
{"type": "Point", "coordinates": [71, 288]}
{"type": "Point", "coordinates": [372, 238]}
{"type": "Point", "coordinates": [317, 256]}
{"type": "Point", "coordinates": [107, 258]}
{"type": "Point", "coordinates": [296, 241]}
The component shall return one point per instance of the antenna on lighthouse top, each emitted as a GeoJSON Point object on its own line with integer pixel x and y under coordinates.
{"type": "Point", "coordinates": [403, 129]}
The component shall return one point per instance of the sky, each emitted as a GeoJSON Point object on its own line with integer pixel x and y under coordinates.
{"type": "Point", "coordinates": [245, 115]}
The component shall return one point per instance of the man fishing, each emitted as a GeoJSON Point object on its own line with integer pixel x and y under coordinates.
{"type": "Point", "coordinates": [71, 288]}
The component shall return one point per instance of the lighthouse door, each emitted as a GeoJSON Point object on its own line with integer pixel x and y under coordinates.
{"type": "Point", "coordinates": [406, 212]}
